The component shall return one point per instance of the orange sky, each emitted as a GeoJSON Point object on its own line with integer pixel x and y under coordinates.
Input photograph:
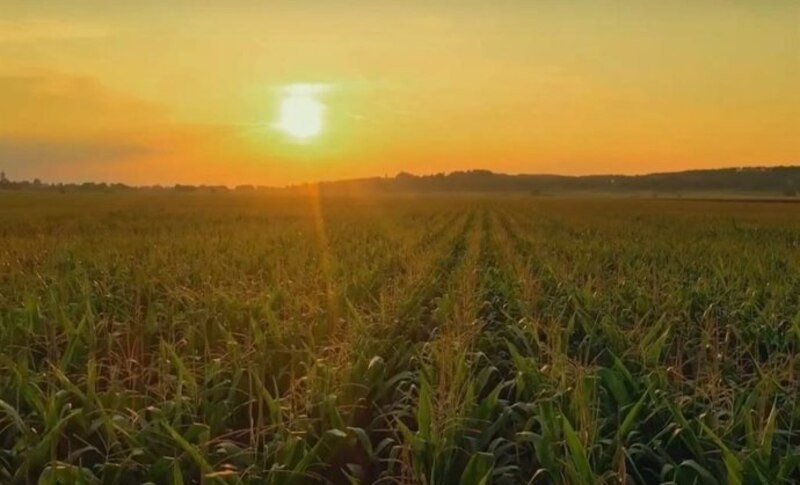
{"type": "Point", "coordinates": [164, 92]}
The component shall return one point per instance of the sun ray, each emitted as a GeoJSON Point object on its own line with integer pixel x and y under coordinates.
{"type": "Point", "coordinates": [315, 200]}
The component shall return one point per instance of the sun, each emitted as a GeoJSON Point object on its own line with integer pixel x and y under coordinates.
{"type": "Point", "coordinates": [301, 115]}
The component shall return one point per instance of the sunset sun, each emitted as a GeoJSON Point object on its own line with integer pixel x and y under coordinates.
{"type": "Point", "coordinates": [301, 115]}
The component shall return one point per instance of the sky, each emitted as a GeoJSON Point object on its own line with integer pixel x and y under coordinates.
{"type": "Point", "coordinates": [278, 92]}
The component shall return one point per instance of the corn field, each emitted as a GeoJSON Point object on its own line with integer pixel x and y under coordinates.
{"type": "Point", "coordinates": [248, 339]}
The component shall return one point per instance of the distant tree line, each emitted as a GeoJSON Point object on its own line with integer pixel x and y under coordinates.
{"type": "Point", "coordinates": [36, 184]}
{"type": "Point", "coordinates": [778, 181]}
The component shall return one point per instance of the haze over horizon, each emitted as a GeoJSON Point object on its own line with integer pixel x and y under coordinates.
{"type": "Point", "coordinates": [283, 92]}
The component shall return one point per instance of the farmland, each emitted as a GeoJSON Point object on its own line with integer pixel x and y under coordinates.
{"type": "Point", "coordinates": [245, 338]}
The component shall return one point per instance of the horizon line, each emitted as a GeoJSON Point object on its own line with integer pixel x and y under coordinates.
{"type": "Point", "coordinates": [5, 178]}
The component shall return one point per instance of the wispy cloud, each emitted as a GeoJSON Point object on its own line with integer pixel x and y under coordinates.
{"type": "Point", "coordinates": [41, 103]}
{"type": "Point", "coordinates": [62, 127]}
{"type": "Point", "coordinates": [28, 152]}
{"type": "Point", "coordinates": [35, 30]}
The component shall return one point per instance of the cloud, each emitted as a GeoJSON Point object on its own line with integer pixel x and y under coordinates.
{"type": "Point", "coordinates": [59, 126]}
{"type": "Point", "coordinates": [38, 103]}
{"type": "Point", "coordinates": [22, 31]}
{"type": "Point", "coordinates": [42, 153]}
{"type": "Point", "coordinates": [62, 127]}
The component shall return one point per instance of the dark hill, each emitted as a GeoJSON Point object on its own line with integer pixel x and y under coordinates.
{"type": "Point", "coordinates": [779, 181]}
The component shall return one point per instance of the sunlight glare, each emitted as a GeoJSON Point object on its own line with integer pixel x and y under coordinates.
{"type": "Point", "coordinates": [301, 114]}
